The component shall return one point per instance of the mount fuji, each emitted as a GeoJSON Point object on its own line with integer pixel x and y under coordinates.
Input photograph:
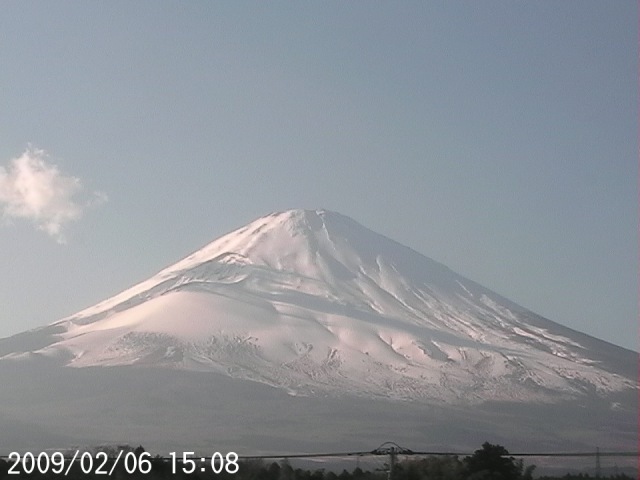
{"type": "Point", "coordinates": [306, 321]}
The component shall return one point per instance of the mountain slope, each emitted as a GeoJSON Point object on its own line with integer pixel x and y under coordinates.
{"type": "Point", "coordinates": [316, 304]}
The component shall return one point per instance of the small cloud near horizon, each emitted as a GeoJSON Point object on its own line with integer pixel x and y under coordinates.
{"type": "Point", "coordinates": [34, 189]}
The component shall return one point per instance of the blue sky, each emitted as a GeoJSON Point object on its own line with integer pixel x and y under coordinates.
{"type": "Point", "coordinates": [499, 138]}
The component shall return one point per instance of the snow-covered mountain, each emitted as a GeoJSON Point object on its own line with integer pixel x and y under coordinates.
{"type": "Point", "coordinates": [304, 332]}
{"type": "Point", "coordinates": [316, 304]}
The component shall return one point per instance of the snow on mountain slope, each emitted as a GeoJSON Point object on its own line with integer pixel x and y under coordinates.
{"type": "Point", "coordinates": [313, 302]}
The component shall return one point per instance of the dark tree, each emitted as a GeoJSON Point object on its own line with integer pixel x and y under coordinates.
{"type": "Point", "coordinates": [493, 462]}
{"type": "Point", "coordinates": [4, 468]}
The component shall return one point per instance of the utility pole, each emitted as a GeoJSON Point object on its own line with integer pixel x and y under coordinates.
{"type": "Point", "coordinates": [392, 462]}
{"type": "Point", "coordinates": [391, 449]}
{"type": "Point", "coordinates": [597, 462]}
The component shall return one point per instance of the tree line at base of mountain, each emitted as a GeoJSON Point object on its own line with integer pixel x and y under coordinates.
{"type": "Point", "coordinates": [491, 462]}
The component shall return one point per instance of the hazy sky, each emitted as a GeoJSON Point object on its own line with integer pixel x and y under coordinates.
{"type": "Point", "coordinates": [499, 138]}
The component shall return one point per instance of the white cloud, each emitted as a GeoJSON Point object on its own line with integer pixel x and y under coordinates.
{"type": "Point", "coordinates": [34, 189]}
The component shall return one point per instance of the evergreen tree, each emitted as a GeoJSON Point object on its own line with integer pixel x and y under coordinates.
{"type": "Point", "coordinates": [492, 462]}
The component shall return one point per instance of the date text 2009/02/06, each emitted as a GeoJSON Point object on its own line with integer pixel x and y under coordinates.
{"type": "Point", "coordinates": [103, 464]}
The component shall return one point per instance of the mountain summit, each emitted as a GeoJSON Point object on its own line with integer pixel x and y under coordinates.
{"type": "Point", "coordinates": [316, 304]}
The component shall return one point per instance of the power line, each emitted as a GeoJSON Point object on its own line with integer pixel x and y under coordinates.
{"type": "Point", "coordinates": [390, 447]}
{"type": "Point", "coordinates": [439, 453]}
